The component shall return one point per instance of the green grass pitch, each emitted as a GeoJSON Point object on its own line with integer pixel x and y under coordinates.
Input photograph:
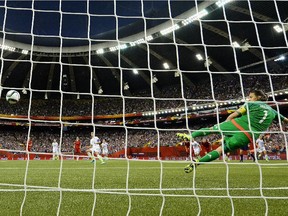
{"type": "Point", "coordinates": [123, 187]}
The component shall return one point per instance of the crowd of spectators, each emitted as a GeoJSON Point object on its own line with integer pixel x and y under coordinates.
{"type": "Point", "coordinates": [219, 88]}
{"type": "Point", "coordinates": [118, 138]}
{"type": "Point", "coordinates": [224, 89]}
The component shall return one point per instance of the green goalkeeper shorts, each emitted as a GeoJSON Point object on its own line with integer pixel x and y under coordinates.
{"type": "Point", "coordinates": [235, 135]}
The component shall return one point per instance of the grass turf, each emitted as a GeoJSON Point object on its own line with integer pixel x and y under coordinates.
{"type": "Point", "coordinates": [142, 188]}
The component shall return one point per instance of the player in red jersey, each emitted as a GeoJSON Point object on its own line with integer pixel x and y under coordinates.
{"type": "Point", "coordinates": [206, 145]}
{"type": "Point", "coordinates": [27, 147]}
{"type": "Point", "coordinates": [77, 146]}
{"type": "Point", "coordinates": [186, 144]}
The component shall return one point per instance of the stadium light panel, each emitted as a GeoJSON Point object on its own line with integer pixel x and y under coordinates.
{"type": "Point", "coordinates": [100, 51]}
{"type": "Point", "coordinates": [207, 63]}
{"type": "Point", "coordinates": [235, 44]}
{"type": "Point", "coordinates": [25, 52]}
{"type": "Point", "coordinates": [278, 28]}
{"type": "Point", "coordinates": [135, 71]}
{"type": "Point", "coordinates": [222, 2]}
{"type": "Point", "coordinates": [126, 86]}
{"type": "Point", "coordinates": [100, 90]}
{"type": "Point", "coordinates": [199, 57]}
{"type": "Point", "coordinates": [281, 58]}
{"type": "Point", "coordinates": [195, 17]}
{"type": "Point", "coordinates": [170, 29]}
{"type": "Point", "coordinates": [245, 47]}
{"type": "Point", "coordinates": [149, 38]}
{"type": "Point", "coordinates": [155, 79]}
{"type": "Point", "coordinates": [24, 91]}
{"type": "Point", "coordinates": [9, 48]}
{"type": "Point", "coordinates": [166, 65]}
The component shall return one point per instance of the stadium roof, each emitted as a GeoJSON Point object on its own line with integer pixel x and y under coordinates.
{"type": "Point", "coordinates": [238, 36]}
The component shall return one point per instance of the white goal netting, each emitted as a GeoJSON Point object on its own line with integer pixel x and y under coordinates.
{"type": "Point", "coordinates": [137, 73]}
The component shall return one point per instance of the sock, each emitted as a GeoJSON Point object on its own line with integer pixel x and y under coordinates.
{"type": "Point", "coordinates": [210, 156]}
{"type": "Point", "coordinates": [241, 157]}
{"type": "Point", "coordinates": [201, 132]}
{"type": "Point", "coordinates": [91, 156]}
{"type": "Point", "coordinates": [266, 157]}
{"type": "Point", "coordinates": [100, 158]}
{"type": "Point", "coordinates": [252, 155]}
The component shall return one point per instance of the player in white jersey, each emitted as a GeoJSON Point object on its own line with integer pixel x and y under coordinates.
{"type": "Point", "coordinates": [55, 151]}
{"type": "Point", "coordinates": [95, 148]}
{"type": "Point", "coordinates": [104, 147]}
{"type": "Point", "coordinates": [260, 143]}
{"type": "Point", "coordinates": [196, 148]}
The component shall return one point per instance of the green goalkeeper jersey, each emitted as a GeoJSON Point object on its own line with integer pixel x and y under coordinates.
{"type": "Point", "coordinates": [258, 115]}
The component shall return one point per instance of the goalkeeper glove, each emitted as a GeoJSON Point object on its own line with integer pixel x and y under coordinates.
{"type": "Point", "coordinates": [183, 136]}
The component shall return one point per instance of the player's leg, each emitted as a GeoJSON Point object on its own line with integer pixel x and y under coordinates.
{"type": "Point", "coordinates": [98, 155]}
{"type": "Point", "coordinates": [241, 155]}
{"type": "Point", "coordinates": [54, 154]}
{"type": "Point", "coordinates": [224, 126]}
{"type": "Point", "coordinates": [251, 154]}
{"type": "Point", "coordinates": [105, 156]}
{"type": "Point", "coordinates": [245, 148]}
{"type": "Point", "coordinates": [90, 153]}
{"type": "Point", "coordinates": [197, 153]}
{"type": "Point", "coordinates": [226, 156]}
{"type": "Point", "coordinates": [188, 153]}
{"type": "Point", "coordinates": [259, 154]}
{"type": "Point", "coordinates": [265, 155]}
{"type": "Point", "coordinates": [231, 143]}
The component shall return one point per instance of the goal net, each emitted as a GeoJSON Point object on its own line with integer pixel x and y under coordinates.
{"type": "Point", "coordinates": [136, 73]}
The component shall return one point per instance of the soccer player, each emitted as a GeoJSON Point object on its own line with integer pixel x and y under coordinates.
{"type": "Point", "coordinates": [77, 146]}
{"type": "Point", "coordinates": [196, 149]}
{"type": "Point", "coordinates": [249, 153]}
{"type": "Point", "coordinates": [186, 144]}
{"type": "Point", "coordinates": [250, 120]}
{"type": "Point", "coordinates": [104, 146]}
{"type": "Point", "coordinates": [206, 145]}
{"type": "Point", "coordinates": [27, 147]}
{"type": "Point", "coordinates": [55, 151]}
{"type": "Point", "coordinates": [260, 143]}
{"type": "Point", "coordinates": [95, 148]}
{"type": "Point", "coordinates": [30, 144]}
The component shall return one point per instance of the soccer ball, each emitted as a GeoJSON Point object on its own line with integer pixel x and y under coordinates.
{"type": "Point", "coordinates": [12, 96]}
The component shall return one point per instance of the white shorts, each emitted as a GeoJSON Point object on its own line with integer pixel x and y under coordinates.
{"type": "Point", "coordinates": [104, 152]}
{"type": "Point", "coordinates": [196, 151]}
{"type": "Point", "coordinates": [260, 150]}
{"type": "Point", "coordinates": [55, 150]}
{"type": "Point", "coordinates": [95, 149]}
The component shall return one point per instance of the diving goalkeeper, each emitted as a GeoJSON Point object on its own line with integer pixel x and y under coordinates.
{"type": "Point", "coordinates": [240, 127]}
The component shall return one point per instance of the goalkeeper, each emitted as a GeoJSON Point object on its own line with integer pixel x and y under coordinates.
{"type": "Point", "coordinates": [240, 127]}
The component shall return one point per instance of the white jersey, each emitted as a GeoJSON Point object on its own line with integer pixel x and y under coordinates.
{"type": "Point", "coordinates": [95, 143]}
{"type": "Point", "coordinates": [55, 146]}
{"type": "Point", "coordinates": [196, 147]}
{"type": "Point", "coordinates": [104, 148]}
{"type": "Point", "coordinates": [261, 145]}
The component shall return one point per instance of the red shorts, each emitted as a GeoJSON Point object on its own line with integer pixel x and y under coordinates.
{"type": "Point", "coordinates": [77, 150]}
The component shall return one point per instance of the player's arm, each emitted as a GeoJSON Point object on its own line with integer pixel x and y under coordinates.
{"type": "Point", "coordinates": [183, 136]}
{"type": "Point", "coordinates": [242, 110]}
{"type": "Point", "coordinates": [282, 118]}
